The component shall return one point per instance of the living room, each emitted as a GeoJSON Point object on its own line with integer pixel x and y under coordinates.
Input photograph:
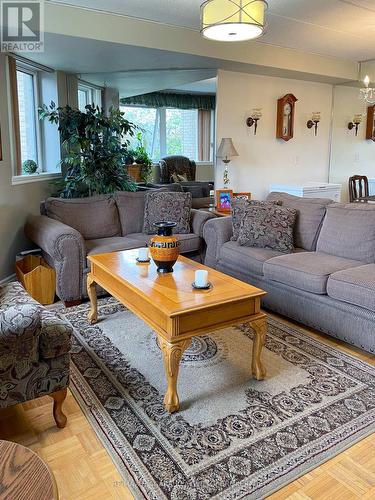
{"type": "Point", "coordinates": [191, 185]}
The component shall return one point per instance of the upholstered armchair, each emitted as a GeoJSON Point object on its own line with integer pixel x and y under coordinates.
{"type": "Point", "coordinates": [178, 166]}
{"type": "Point", "coordinates": [34, 351]}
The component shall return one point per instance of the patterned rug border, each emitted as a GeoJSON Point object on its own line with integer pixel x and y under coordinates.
{"type": "Point", "coordinates": [97, 414]}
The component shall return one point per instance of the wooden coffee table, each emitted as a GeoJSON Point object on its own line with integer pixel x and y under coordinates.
{"type": "Point", "coordinates": [177, 312]}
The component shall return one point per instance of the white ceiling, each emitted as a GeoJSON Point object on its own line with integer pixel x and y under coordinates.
{"type": "Point", "coordinates": [337, 28]}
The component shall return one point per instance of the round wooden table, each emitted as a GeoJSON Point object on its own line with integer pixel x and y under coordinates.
{"type": "Point", "coordinates": [24, 475]}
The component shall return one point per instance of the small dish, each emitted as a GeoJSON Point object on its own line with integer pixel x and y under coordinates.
{"type": "Point", "coordinates": [142, 261]}
{"type": "Point", "coordinates": [207, 287]}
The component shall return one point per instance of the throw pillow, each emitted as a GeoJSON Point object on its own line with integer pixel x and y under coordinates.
{"type": "Point", "coordinates": [239, 207]}
{"type": "Point", "coordinates": [268, 227]}
{"type": "Point", "coordinates": [168, 206]}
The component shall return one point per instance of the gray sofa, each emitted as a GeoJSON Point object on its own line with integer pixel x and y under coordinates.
{"type": "Point", "coordinates": [328, 283]}
{"type": "Point", "coordinates": [34, 351]}
{"type": "Point", "coordinates": [71, 229]}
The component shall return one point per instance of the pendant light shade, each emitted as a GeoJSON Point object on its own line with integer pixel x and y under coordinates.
{"type": "Point", "coordinates": [233, 20]}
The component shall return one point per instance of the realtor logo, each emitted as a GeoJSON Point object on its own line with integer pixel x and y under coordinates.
{"type": "Point", "coordinates": [22, 26]}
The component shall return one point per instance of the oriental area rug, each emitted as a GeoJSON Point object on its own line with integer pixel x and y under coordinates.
{"type": "Point", "coordinates": [234, 437]}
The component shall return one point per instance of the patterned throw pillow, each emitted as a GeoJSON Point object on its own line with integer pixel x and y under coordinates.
{"type": "Point", "coordinates": [239, 207]}
{"type": "Point", "coordinates": [167, 206]}
{"type": "Point", "coordinates": [268, 227]}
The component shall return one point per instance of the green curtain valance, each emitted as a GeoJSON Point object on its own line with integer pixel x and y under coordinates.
{"type": "Point", "coordinates": [170, 100]}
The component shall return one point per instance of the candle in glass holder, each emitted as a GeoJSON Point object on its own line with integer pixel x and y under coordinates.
{"type": "Point", "coordinates": [201, 278]}
{"type": "Point", "coordinates": [316, 116]}
{"type": "Point", "coordinates": [143, 254]}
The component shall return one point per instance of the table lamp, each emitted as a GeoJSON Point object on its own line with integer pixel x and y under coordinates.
{"type": "Point", "coordinates": [226, 151]}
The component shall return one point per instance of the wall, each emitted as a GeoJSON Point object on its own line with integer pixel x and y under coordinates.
{"type": "Point", "coordinates": [351, 155]}
{"type": "Point", "coordinates": [16, 202]}
{"type": "Point", "coordinates": [263, 159]}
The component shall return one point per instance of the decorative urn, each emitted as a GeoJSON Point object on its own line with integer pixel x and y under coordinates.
{"type": "Point", "coordinates": [165, 247]}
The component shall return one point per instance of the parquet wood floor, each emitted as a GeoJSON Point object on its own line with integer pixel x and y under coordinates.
{"type": "Point", "coordinates": [84, 470]}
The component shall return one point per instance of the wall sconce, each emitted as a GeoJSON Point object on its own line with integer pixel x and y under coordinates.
{"type": "Point", "coordinates": [253, 119]}
{"type": "Point", "coordinates": [355, 123]}
{"type": "Point", "coordinates": [315, 119]}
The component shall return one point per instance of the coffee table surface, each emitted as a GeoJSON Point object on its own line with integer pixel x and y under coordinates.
{"type": "Point", "coordinates": [173, 292]}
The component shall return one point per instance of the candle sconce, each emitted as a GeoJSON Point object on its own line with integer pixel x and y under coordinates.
{"type": "Point", "coordinates": [315, 119]}
{"type": "Point", "coordinates": [253, 119]}
{"type": "Point", "coordinates": [357, 120]}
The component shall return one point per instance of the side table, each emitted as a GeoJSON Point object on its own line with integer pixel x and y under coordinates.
{"type": "Point", "coordinates": [24, 475]}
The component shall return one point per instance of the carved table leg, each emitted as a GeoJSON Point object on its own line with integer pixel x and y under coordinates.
{"type": "Point", "coordinates": [91, 291]}
{"type": "Point", "coordinates": [58, 399]}
{"type": "Point", "coordinates": [260, 328]}
{"type": "Point", "coordinates": [172, 354]}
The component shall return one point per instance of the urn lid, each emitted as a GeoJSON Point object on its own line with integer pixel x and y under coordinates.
{"type": "Point", "coordinates": [165, 224]}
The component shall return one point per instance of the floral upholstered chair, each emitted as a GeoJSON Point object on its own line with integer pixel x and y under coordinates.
{"type": "Point", "coordinates": [34, 351]}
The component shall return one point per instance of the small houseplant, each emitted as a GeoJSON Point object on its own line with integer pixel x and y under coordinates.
{"type": "Point", "coordinates": [142, 164]}
{"type": "Point", "coordinates": [94, 146]}
{"type": "Point", "coordinates": [29, 167]}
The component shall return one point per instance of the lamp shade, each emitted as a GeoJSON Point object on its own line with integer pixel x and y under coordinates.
{"type": "Point", "coordinates": [233, 20]}
{"type": "Point", "coordinates": [226, 148]}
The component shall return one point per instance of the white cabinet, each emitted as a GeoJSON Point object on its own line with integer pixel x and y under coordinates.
{"type": "Point", "coordinates": [310, 190]}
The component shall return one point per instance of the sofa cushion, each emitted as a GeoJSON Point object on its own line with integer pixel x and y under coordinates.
{"type": "Point", "coordinates": [268, 226]}
{"type": "Point", "coordinates": [239, 207]}
{"type": "Point", "coordinates": [248, 259]}
{"type": "Point", "coordinates": [349, 231]}
{"type": "Point", "coordinates": [107, 245]}
{"type": "Point", "coordinates": [94, 217]}
{"type": "Point", "coordinates": [55, 339]}
{"type": "Point", "coordinates": [307, 271]}
{"type": "Point", "coordinates": [167, 206]}
{"type": "Point", "coordinates": [188, 242]}
{"type": "Point", "coordinates": [355, 286]}
{"type": "Point", "coordinates": [310, 215]}
{"type": "Point", "coordinates": [131, 209]}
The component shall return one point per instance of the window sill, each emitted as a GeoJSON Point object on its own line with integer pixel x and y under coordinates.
{"type": "Point", "coordinates": [26, 179]}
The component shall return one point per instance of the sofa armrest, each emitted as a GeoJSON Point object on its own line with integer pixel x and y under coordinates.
{"type": "Point", "coordinates": [20, 329]}
{"type": "Point", "coordinates": [198, 219]}
{"type": "Point", "coordinates": [66, 248]}
{"type": "Point", "coordinates": [215, 233]}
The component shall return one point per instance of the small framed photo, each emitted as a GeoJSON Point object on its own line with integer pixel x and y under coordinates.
{"type": "Point", "coordinates": [223, 200]}
{"type": "Point", "coordinates": [242, 196]}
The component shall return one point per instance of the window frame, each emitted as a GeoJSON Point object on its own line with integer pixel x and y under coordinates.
{"type": "Point", "coordinates": [24, 68]}
{"type": "Point", "coordinates": [161, 117]}
{"type": "Point", "coordinates": [95, 93]}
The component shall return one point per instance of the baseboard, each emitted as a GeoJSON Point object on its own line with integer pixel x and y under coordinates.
{"type": "Point", "coordinates": [8, 279]}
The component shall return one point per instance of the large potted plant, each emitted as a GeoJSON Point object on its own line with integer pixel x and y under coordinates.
{"type": "Point", "coordinates": [141, 166]}
{"type": "Point", "coordinates": [94, 147]}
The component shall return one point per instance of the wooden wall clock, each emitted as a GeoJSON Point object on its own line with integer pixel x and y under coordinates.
{"type": "Point", "coordinates": [370, 130]}
{"type": "Point", "coordinates": [285, 117]}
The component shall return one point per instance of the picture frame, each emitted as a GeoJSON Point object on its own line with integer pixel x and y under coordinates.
{"type": "Point", "coordinates": [223, 200]}
{"type": "Point", "coordinates": [242, 196]}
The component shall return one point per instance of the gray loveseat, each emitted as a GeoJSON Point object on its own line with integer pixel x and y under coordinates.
{"type": "Point", "coordinates": [71, 229]}
{"type": "Point", "coordinates": [328, 283]}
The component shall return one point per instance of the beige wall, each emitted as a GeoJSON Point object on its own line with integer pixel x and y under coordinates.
{"type": "Point", "coordinates": [16, 202]}
{"type": "Point", "coordinates": [263, 159]}
{"type": "Point", "coordinates": [351, 155]}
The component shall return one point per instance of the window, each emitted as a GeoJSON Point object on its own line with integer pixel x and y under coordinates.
{"type": "Point", "coordinates": [26, 86]}
{"type": "Point", "coordinates": [170, 131]}
{"type": "Point", "coordinates": [88, 94]}
{"type": "Point", "coordinates": [33, 140]}
{"type": "Point", "coordinates": [27, 115]}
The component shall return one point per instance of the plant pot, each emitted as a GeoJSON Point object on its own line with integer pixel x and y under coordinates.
{"type": "Point", "coordinates": [165, 247]}
{"type": "Point", "coordinates": [135, 171]}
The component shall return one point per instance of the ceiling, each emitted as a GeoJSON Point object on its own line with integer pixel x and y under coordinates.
{"type": "Point", "coordinates": [336, 28]}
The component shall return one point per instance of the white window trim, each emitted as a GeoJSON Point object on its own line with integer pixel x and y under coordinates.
{"type": "Point", "coordinates": [95, 92]}
{"type": "Point", "coordinates": [28, 178]}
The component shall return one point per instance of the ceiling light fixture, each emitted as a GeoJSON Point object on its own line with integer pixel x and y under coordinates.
{"type": "Point", "coordinates": [233, 20]}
